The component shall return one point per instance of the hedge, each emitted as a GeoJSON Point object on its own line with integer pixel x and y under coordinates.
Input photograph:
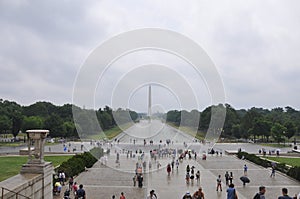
{"type": "Point", "coordinates": [293, 172]}
{"type": "Point", "coordinates": [77, 163]}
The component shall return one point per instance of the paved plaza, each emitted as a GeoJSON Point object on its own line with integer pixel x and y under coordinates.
{"type": "Point", "coordinates": [103, 181]}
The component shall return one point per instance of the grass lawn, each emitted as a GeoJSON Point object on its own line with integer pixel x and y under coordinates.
{"type": "Point", "coordinates": [11, 165]}
{"type": "Point", "coordinates": [110, 133]}
{"type": "Point", "coordinates": [190, 131]}
{"type": "Point", "coordinates": [275, 145]}
{"type": "Point", "coordinates": [13, 144]}
{"type": "Point", "coordinates": [289, 161]}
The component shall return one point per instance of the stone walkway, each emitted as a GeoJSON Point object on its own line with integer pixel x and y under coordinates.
{"type": "Point", "coordinates": [103, 181]}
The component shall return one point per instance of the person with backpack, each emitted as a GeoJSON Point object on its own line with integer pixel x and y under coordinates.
{"type": "Point", "coordinates": [187, 195]}
{"type": "Point", "coordinates": [261, 193]}
{"type": "Point", "coordinates": [231, 192]}
{"type": "Point", "coordinates": [80, 194]}
{"type": "Point", "coordinates": [152, 195]}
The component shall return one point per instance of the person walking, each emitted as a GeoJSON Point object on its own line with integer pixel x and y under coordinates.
{"type": "Point", "coordinates": [261, 193]}
{"type": "Point", "coordinates": [122, 196]}
{"type": "Point", "coordinates": [198, 194]}
{"type": "Point", "coordinates": [187, 195]}
{"type": "Point", "coordinates": [219, 183]}
{"type": "Point", "coordinates": [172, 165]}
{"type": "Point", "coordinates": [152, 195]}
{"type": "Point", "coordinates": [140, 180]}
{"type": "Point", "coordinates": [285, 194]}
{"type": "Point", "coordinates": [187, 178]}
{"type": "Point", "coordinates": [75, 188]}
{"type": "Point", "coordinates": [273, 172]}
{"type": "Point", "coordinates": [81, 193]}
{"type": "Point", "coordinates": [177, 164]}
{"type": "Point", "coordinates": [231, 192]}
{"type": "Point", "coordinates": [134, 180]}
{"type": "Point", "coordinates": [188, 169]}
{"type": "Point", "coordinates": [71, 181]}
{"type": "Point", "coordinates": [169, 169]}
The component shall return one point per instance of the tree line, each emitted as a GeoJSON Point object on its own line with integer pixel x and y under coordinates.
{"type": "Point", "coordinates": [15, 118]}
{"type": "Point", "coordinates": [277, 123]}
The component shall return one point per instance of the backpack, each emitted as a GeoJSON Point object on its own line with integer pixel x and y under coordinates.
{"type": "Point", "coordinates": [257, 196]}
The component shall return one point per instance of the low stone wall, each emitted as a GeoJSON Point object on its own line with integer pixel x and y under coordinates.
{"type": "Point", "coordinates": [34, 186]}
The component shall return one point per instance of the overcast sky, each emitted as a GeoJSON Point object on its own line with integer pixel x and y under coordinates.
{"type": "Point", "coordinates": [255, 46]}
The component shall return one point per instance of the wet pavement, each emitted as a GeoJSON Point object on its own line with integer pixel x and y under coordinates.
{"type": "Point", "coordinates": [102, 181]}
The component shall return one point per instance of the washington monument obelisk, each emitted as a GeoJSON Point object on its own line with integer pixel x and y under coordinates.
{"type": "Point", "coordinates": [149, 103]}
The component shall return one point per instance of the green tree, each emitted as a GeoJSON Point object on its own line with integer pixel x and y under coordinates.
{"type": "Point", "coordinates": [69, 129]}
{"type": "Point", "coordinates": [54, 124]}
{"type": "Point", "coordinates": [32, 122]}
{"type": "Point", "coordinates": [5, 124]}
{"type": "Point", "coordinates": [277, 131]}
{"type": "Point", "coordinates": [290, 129]}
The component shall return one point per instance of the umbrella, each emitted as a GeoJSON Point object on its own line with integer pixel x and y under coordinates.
{"type": "Point", "coordinates": [244, 179]}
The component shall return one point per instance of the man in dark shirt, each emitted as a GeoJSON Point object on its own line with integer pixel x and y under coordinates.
{"type": "Point", "coordinates": [81, 192]}
{"type": "Point", "coordinates": [285, 194]}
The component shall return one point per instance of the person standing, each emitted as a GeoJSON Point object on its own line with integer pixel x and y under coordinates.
{"type": "Point", "coordinates": [231, 192]}
{"type": "Point", "coordinates": [177, 164]}
{"type": "Point", "coordinates": [81, 193]}
{"type": "Point", "coordinates": [187, 178]}
{"type": "Point", "coordinates": [152, 195]}
{"type": "Point", "coordinates": [231, 177]}
{"type": "Point", "coordinates": [219, 183]}
{"type": "Point", "coordinates": [134, 180]}
{"type": "Point", "coordinates": [227, 178]}
{"type": "Point", "coordinates": [261, 193]}
{"type": "Point", "coordinates": [71, 181]}
{"type": "Point", "coordinates": [245, 170]}
{"type": "Point", "coordinates": [285, 194]}
{"type": "Point", "coordinates": [122, 196]}
{"type": "Point", "coordinates": [140, 180]}
{"type": "Point", "coordinates": [198, 176]}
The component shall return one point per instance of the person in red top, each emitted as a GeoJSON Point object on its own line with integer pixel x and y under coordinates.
{"type": "Point", "coordinates": [75, 188]}
{"type": "Point", "coordinates": [122, 196]}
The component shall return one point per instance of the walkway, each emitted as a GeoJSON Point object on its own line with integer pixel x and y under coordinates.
{"type": "Point", "coordinates": [104, 181]}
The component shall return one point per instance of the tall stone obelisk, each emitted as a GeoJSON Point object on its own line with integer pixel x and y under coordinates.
{"type": "Point", "coordinates": [149, 103]}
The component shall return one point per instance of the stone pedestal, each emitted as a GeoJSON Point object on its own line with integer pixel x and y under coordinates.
{"type": "Point", "coordinates": [36, 163]}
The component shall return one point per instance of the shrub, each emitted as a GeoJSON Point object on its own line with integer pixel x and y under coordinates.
{"type": "Point", "coordinates": [77, 163]}
{"type": "Point", "coordinates": [293, 172]}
